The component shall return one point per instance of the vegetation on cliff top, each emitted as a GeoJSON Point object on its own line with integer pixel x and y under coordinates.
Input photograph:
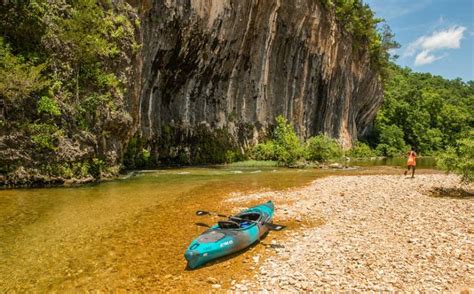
{"type": "Point", "coordinates": [63, 76]}
{"type": "Point", "coordinates": [368, 32]}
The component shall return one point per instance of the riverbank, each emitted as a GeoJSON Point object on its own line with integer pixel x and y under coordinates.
{"type": "Point", "coordinates": [380, 233]}
{"type": "Point", "coordinates": [34, 178]}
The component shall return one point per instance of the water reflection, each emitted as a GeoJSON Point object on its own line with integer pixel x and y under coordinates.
{"type": "Point", "coordinates": [127, 234]}
{"type": "Point", "coordinates": [421, 162]}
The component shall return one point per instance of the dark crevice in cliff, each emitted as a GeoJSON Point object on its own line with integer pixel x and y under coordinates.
{"type": "Point", "coordinates": [233, 66]}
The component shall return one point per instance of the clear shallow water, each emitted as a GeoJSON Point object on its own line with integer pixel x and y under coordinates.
{"type": "Point", "coordinates": [421, 162]}
{"type": "Point", "coordinates": [127, 234]}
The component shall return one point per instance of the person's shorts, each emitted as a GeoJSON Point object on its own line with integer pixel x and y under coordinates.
{"type": "Point", "coordinates": [412, 166]}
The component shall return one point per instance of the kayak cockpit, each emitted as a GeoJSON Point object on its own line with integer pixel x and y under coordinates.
{"type": "Point", "coordinates": [228, 224]}
{"type": "Point", "coordinates": [240, 221]}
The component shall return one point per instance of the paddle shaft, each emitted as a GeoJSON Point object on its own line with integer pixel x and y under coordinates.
{"type": "Point", "coordinates": [269, 225]}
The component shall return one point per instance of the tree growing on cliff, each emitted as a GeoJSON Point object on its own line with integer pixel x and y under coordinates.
{"type": "Point", "coordinates": [18, 77]}
{"type": "Point", "coordinates": [367, 31]}
{"type": "Point", "coordinates": [64, 71]}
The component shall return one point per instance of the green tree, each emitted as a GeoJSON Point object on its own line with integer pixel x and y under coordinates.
{"type": "Point", "coordinates": [64, 66]}
{"type": "Point", "coordinates": [19, 78]}
{"type": "Point", "coordinates": [429, 112]}
{"type": "Point", "coordinates": [287, 146]}
{"type": "Point", "coordinates": [459, 158]}
{"type": "Point", "coordinates": [391, 141]}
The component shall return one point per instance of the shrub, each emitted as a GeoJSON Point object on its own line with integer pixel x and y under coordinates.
{"type": "Point", "coordinates": [361, 150]}
{"type": "Point", "coordinates": [145, 155]}
{"type": "Point", "coordinates": [288, 148]}
{"type": "Point", "coordinates": [18, 77]}
{"type": "Point", "coordinates": [44, 135]}
{"type": "Point", "coordinates": [49, 106]}
{"type": "Point", "coordinates": [233, 156]}
{"type": "Point", "coordinates": [136, 156]}
{"type": "Point", "coordinates": [264, 151]}
{"type": "Point", "coordinates": [284, 148]}
{"type": "Point", "coordinates": [323, 148]}
{"type": "Point", "coordinates": [96, 166]}
{"type": "Point", "coordinates": [460, 158]}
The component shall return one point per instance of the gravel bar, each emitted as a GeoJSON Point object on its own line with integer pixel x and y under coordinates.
{"type": "Point", "coordinates": [381, 233]}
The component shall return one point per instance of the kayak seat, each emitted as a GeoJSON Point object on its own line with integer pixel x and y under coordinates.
{"type": "Point", "coordinates": [252, 216]}
{"type": "Point", "coordinates": [228, 224]}
{"type": "Point", "coordinates": [245, 224]}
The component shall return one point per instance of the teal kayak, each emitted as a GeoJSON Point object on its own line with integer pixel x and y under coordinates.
{"type": "Point", "coordinates": [229, 236]}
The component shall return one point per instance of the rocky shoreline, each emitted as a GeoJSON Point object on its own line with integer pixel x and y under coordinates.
{"type": "Point", "coordinates": [33, 178]}
{"type": "Point", "coordinates": [380, 233]}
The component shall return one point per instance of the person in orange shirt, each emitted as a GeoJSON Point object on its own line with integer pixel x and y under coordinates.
{"type": "Point", "coordinates": [411, 162]}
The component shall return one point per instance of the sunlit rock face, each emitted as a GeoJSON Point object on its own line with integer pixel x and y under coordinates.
{"type": "Point", "coordinates": [231, 66]}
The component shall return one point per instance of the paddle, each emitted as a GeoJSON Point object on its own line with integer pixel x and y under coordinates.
{"type": "Point", "coordinates": [202, 225]}
{"type": "Point", "coordinates": [271, 226]}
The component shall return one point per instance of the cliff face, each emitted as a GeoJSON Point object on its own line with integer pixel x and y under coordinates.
{"type": "Point", "coordinates": [234, 65]}
{"type": "Point", "coordinates": [211, 76]}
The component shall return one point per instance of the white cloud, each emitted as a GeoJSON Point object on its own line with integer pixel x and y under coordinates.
{"type": "Point", "coordinates": [425, 46]}
{"type": "Point", "coordinates": [450, 38]}
{"type": "Point", "coordinates": [425, 57]}
{"type": "Point", "coordinates": [412, 48]}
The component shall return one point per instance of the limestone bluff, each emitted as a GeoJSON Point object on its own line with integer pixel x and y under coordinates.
{"type": "Point", "coordinates": [223, 70]}
{"type": "Point", "coordinates": [208, 76]}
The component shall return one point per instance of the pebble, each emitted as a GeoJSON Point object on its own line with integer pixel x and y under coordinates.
{"type": "Point", "coordinates": [212, 280]}
{"type": "Point", "coordinates": [387, 233]}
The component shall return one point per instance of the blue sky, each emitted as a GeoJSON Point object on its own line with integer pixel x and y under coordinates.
{"type": "Point", "coordinates": [437, 36]}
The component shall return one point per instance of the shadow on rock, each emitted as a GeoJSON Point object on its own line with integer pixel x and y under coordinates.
{"type": "Point", "coordinates": [456, 193]}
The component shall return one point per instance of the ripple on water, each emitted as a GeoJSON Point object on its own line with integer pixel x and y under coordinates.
{"type": "Point", "coordinates": [128, 235]}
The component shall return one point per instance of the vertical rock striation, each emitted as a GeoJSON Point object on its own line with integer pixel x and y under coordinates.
{"type": "Point", "coordinates": [232, 66]}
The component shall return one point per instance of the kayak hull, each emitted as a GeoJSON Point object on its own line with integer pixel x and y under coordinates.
{"type": "Point", "coordinates": [217, 242]}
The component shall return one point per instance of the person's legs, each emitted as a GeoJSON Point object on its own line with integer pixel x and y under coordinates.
{"type": "Point", "coordinates": [413, 171]}
{"type": "Point", "coordinates": [406, 171]}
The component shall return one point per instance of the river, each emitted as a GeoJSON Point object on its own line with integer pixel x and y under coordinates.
{"type": "Point", "coordinates": [129, 233]}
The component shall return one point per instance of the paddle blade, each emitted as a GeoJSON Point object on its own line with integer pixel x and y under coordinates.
{"type": "Point", "coordinates": [201, 212]}
{"type": "Point", "coordinates": [202, 225]}
{"type": "Point", "coordinates": [275, 227]}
